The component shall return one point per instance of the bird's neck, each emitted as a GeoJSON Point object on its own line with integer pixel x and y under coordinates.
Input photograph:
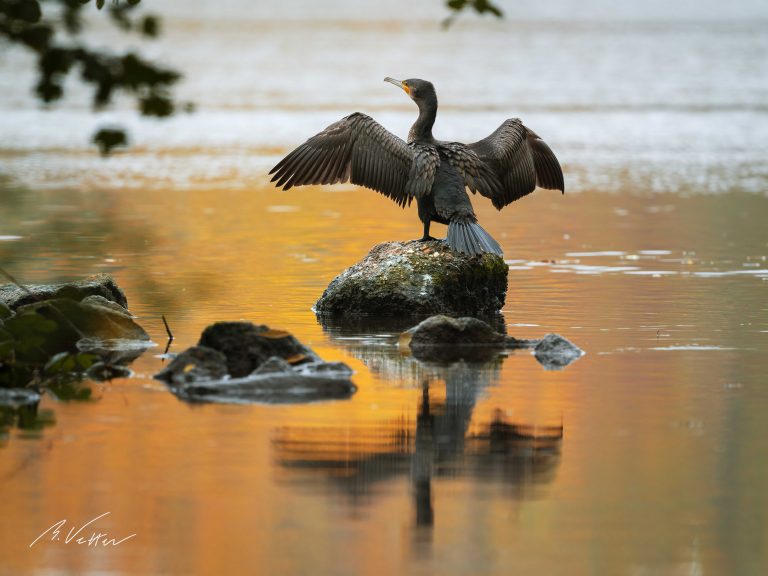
{"type": "Point", "coordinates": [422, 128]}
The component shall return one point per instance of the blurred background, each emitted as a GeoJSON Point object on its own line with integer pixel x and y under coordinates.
{"type": "Point", "coordinates": [650, 457]}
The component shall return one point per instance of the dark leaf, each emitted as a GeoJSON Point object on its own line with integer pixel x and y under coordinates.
{"type": "Point", "coordinates": [150, 26]}
{"type": "Point", "coordinates": [25, 10]}
{"type": "Point", "coordinates": [49, 91]}
{"type": "Point", "coordinates": [56, 61]}
{"type": "Point", "coordinates": [36, 37]}
{"type": "Point", "coordinates": [99, 4]}
{"type": "Point", "coordinates": [108, 138]}
{"type": "Point", "coordinates": [156, 105]}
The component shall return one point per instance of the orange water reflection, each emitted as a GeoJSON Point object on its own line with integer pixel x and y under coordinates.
{"type": "Point", "coordinates": [658, 468]}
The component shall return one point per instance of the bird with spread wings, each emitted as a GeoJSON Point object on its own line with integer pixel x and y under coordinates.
{"type": "Point", "coordinates": [505, 166]}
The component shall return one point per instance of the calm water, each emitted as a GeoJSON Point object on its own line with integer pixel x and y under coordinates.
{"type": "Point", "coordinates": [655, 263]}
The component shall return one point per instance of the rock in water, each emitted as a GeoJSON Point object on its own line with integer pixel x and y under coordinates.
{"type": "Point", "coordinates": [195, 364]}
{"type": "Point", "coordinates": [99, 285]}
{"type": "Point", "coordinates": [555, 352]}
{"type": "Point", "coordinates": [441, 330]}
{"type": "Point", "coordinates": [445, 339]}
{"type": "Point", "coordinates": [417, 278]}
{"type": "Point", "coordinates": [246, 346]}
{"type": "Point", "coordinates": [241, 362]}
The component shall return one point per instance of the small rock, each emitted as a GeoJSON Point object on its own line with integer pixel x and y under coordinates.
{"type": "Point", "coordinates": [442, 330]}
{"type": "Point", "coordinates": [555, 352]}
{"type": "Point", "coordinates": [195, 364]}
{"type": "Point", "coordinates": [417, 278]}
{"type": "Point", "coordinates": [272, 366]}
{"type": "Point", "coordinates": [100, 285]}
{"type": "Point", "coordinates": [274, 388]}
{"type": "Point", "coordinates": [445, 339]}
{"type": "Point", "coordinates": [99, 301]}
{"type": "Point", "coordinates": [247, 346]}
{"type": "Point", "coordinates": [240, 362]}
{"type": "Point", "coordinates": [338, 369]}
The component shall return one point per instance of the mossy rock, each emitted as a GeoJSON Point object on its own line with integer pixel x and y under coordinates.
{"type": "Point", "coordinates": [416, 279]}
{"type": "Point", "coordinates": [98, 285]}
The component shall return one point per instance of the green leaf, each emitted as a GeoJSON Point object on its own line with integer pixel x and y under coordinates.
{"type": "Point", "coordinates": [61, 363]}
{"type": "Point", "coordinates": [99, 4]}
{"type": "Point", "coordinates": [30, 330]}
{"type": "Point", "coordinates": [7, 345]}
{"type": "Point", "coordinates": [65, 363]}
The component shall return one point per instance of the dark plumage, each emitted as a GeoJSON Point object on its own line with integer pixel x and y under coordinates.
{"type": "Point", "coordinates": [504, 167]}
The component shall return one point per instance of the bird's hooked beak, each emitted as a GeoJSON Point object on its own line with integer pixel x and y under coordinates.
{"type": "Point", "coordinates": [399, 84]}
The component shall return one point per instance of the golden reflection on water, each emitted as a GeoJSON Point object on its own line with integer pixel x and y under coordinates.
{"type": "Point", "coordinates": [661, 451]}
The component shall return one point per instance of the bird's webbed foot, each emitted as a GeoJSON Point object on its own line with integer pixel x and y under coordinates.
{"type": "Point", "coordinates": [426, 239]}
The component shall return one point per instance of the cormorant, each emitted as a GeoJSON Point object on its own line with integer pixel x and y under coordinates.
{"type": "Point", "coordinates": [504, 167]}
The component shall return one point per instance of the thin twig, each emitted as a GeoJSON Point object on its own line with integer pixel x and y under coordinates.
{"type": "Point", "coordinates": [170, 336]}
{"type": "Point", "coordinates": [167, 328]}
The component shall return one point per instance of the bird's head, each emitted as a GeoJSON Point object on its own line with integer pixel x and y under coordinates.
{"type": "Point", "coordinates": [417, 89]}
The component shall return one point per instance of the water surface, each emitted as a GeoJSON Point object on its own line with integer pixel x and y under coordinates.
{"type": "Point", "coordinates": [654, 263]}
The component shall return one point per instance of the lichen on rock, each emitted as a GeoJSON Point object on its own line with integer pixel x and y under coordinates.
{"type": "Point", "coordinates": [417, 278]}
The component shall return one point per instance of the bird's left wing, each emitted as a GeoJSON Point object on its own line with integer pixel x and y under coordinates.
{"type": "Point", "coordinates": [519, 159]}
{"type": "Point", "coordinates": [356, 149]}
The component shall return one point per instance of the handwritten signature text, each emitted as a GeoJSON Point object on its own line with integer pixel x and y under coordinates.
{"type": "Point", "coordinates": [79, 535]}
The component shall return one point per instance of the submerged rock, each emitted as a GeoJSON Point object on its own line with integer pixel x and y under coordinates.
{"type": "Point", "coordinates": [247, 346]}
{"type": "Point", "coordinates": [417, 278]}
{"type": "Point", "coordinates": [446, 339]}
{"type": "Point", "coordinates": [440, 330]}
{"type": "Point", "coordinates": [442, 338]}
{"type": "Point", "coordinates": [99, 285]}
{"type": "Point", "coordinates": [60, 324]}
{"type": "Point", "coordinates": [274, 387]}
{"type": "Point", "coordinates": [39, 323]}
{"type": "Point", "coordinates": [195, 364]}
{"type": "Point", "coordinates": [555, 352]}
{"type": "Point", "coordinates": [240, 362]}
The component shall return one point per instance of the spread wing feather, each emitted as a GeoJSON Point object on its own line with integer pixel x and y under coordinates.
{"type": "Point", "coordinates": [518, 159]}
{"type": "Point", "coordinates": [356, 149]}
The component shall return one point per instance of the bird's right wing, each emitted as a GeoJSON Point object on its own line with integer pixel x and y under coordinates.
{"type": "Point", "coordinates": [356, 149]}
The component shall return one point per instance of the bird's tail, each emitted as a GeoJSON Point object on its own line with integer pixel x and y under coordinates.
{"type": "Point", "coordinates": [470, 238]}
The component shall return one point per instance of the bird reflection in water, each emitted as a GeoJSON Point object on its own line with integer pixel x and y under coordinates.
{"type": "Point", "coordinates": [438, 444]}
